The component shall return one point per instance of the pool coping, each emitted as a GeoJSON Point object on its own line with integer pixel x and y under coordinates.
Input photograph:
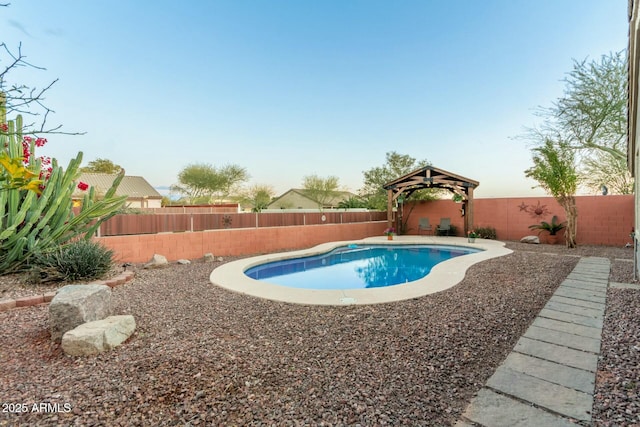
{"type": "Point", "coordinates": [443, 276]}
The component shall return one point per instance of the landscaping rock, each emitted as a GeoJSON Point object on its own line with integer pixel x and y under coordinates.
{"type": "Point", "coordinates": [157, 261]}
{"type": "Point", "coordinates": [530, 239]}
{"type": "Point", "coordinates": [98, 336]}
{"type": "Point", "coordinates": [208, 257]}
{"type": "Point", "coordinates": [74, 305]}
{"type": "Point", "coordinates": [183, 262]}
{"type": "Point", "coordinates": [220, 259]}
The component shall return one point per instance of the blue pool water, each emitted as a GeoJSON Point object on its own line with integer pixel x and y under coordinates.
{"type": "Point", "coordinates": [357, 266]}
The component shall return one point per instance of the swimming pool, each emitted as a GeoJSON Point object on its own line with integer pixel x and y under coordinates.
{"type": "Point", "coordinates": [357, 266]}
{"type": "Point", "coordinates": [443, 276]}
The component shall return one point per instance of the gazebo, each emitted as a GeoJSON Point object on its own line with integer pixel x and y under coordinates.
{"type": "Point", "coordinates": [401, 188]}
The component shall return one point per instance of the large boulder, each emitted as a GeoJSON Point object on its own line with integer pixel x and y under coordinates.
{"type": "Point", "coordinates": [74, 305]}
{"type": "Point", "coordinates": [98, 336]}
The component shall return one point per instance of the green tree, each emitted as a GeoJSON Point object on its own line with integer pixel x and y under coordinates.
{"type": "Point", "coordinates": [231, 177]}
{"type": "Point", "coordinates": [396, 166]}
{"type": "Point", "coordinates": [257, 197]}
{"type": "Point", "coordinates": [352, 202]}
{"type": "Point", "coordinates": [101, 166]}
{"type": "Point", "coordinates": [206, 183]}
{"type": "Point", "coordinates": [591, 117]}
{"type": "Point", "coordinates": [320, 190]}
{"type": "Point", "coordinates": [603, 169]}
{"type": "Point", "coordinates": [195, 181]}
{"type": "Point", "coordinates": [554, 168]}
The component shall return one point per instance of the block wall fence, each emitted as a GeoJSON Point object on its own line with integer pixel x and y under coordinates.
{"type": "Point", "coordinates": [230, 242]}
{"type": "Point", "coordinates": [602, 220]}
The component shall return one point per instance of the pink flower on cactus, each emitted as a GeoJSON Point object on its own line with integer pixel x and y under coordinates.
{"type": "Point", "coordinates": [26, 149]}
{"type": "Point", "coordinates": [40, 142]}
{"type": "Point", "coordinates": [26, 139]}
{"type": "Point", "coordinates": [4, 127]}
{"type": "Point", "coordinates": [45, 168]}
{"type": "Point", "coordinates": [26, 154]}
{"type": "Point", "coordinates": [83, 185]}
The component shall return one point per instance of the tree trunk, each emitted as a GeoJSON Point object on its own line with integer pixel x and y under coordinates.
{"type": "Point", "coordinates": [571, 211]}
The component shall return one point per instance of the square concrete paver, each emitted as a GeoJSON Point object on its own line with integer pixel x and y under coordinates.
{"type": "Point", "coordinates": [578, 319]}
{"type": "Point", "coordinates": [578, 303]}
{"type": "Point", "coordinates": [596, 313]}
{"type": "Point", "coordinates": [558, 354]}
{"type": "Point", "coordinates": [619, 285]}
{"type": "Point", "coordinates": [563, 338]}
{"type": "Point", "coordinates": [571, 328]}
{"type": "Point", "coordinates": [566, 376]}
{"type": "Point", "coordinates": [589, 276]}
{"type": "Point", "coordinates": [581, 284]}
{"type": "Point", "coordinates": [493, 409]}
{"type": "Point", "coordinates": [581, 294]}
{"type": "Point", "coordinates": [557, 398]}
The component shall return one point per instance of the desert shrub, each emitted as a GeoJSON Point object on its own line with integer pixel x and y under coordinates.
{"type": "Point", "coordinates": [486, 232]}
{"type": "Point", "coordinates": [78, 260]}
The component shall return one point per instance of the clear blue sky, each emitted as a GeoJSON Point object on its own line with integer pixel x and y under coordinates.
{"type": "Point", "coordinates": [288, 88]}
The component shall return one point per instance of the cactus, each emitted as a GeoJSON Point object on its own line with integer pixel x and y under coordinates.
{"type": "Point", "coordinates": [33, 222]}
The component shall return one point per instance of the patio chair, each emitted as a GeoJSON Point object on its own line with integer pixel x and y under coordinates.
{"type": "Point", "coordinates": [444, 227]}
{"type": "Point", "coordinates": [424, 225]}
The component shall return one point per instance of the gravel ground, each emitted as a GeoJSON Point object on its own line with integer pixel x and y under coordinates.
{"type": "Point", "coordinates": [21, 285]}
{"type": "Point", "coordinates": [618, 380]}
{"type": "Point", "coordinates": [202, 355]}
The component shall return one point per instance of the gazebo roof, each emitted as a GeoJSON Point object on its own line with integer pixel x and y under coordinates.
{"type": "Point", "coordinates": [428, 177]}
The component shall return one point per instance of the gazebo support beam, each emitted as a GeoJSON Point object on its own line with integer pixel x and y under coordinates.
{"type": "Point", "coordinates": [389, 208]}
{"type": "Point", "coordinates": [468, 211]}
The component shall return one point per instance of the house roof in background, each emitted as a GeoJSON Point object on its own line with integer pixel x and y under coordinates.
{"type": "Point", "coordinates": [132, 186]}
{"type": "Point", "coordinates": [340, 196]}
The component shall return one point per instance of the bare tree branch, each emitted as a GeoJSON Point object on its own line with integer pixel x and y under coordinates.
{"type": "Point", "coordinates": [24, 99]}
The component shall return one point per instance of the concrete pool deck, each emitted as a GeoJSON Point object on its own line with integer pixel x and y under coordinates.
{"type": "Point", "coordinates": [443, 276]}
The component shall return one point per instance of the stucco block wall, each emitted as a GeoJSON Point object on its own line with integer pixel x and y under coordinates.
{"type": "Point", "coordinates": [174, 246]}
{"type": "Point", "coordinates": [602, 220]}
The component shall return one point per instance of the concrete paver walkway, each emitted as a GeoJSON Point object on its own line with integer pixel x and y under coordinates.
{"type": "Point", "coordinates": [549, 377]}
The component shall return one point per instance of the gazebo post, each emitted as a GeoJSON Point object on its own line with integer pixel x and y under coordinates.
{"type": "Point", "coordinates": [468, 211]}
{"type": "Point", "coordinates": [389, 208]}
